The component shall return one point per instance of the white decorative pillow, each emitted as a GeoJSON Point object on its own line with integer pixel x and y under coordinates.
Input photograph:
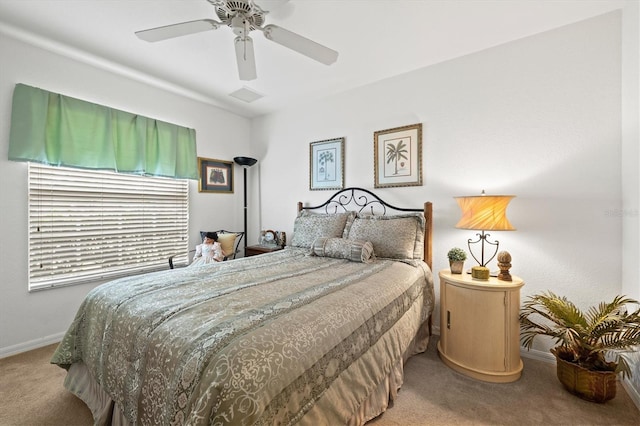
{"type": "Point", "coordinates": [393, 237]}
{"type": "Point", "coordinates": [309, 226]}
{"type": "Point", "coordinates": [340, 248]}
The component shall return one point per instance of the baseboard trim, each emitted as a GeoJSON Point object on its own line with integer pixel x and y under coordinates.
{"type": "Point", "coordinates": [537, 355]}
{"type": "Point", "coordinates": [632, 392]}
{"type": "Point", "coordinates": [30, 345]}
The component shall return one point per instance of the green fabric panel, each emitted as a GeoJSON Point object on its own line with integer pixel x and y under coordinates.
{"type": "Point", "coordinates": [28, 122]}
{"type": "Point", "coordinates": [59, 130]}
{"type": "Point", "coordinates": [125, 128]}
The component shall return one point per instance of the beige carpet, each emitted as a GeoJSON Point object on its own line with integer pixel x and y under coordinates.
{"type": "Point", "coordinates": [31, 393]}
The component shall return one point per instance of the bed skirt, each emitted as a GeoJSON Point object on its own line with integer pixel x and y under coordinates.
{"type": "Point", "coordinates": [106, 413]}
{"type": "Point", "coordinates": [387, 391]}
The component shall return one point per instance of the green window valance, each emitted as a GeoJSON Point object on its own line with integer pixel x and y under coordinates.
{"type": "Point", "coordinates": [58, 130]}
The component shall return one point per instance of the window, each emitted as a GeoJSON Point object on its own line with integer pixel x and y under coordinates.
{"type": "Point", "coordinates": [87, 225]}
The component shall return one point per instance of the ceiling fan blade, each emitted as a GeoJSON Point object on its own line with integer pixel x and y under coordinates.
{"type": "Point", "coordinates": [300, 44]}
{"type": "Point", "coordinates": [269, 5]}
{"type": "Point", "coordinates": [177, 30]}
{"type": "Point", "coordinates": [245, 58]}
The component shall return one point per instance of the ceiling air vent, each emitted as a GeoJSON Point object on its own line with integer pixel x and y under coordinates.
{"type": "Point", "coordinates": [246, 95]}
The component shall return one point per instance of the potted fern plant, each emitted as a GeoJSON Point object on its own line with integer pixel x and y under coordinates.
{"type": "Point", "coordinates": [456, 256]}
{"type": "Point", "coordinates": [591, 346]}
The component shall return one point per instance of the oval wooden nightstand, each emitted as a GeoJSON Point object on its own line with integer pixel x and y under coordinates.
{"type": "Point", "coordinates": [479, 326]}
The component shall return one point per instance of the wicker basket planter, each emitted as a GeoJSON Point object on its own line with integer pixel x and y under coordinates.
{"type": "Point", "coordinates": [594, 386]}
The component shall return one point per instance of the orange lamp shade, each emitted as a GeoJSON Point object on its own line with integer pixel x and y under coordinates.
{"type": "Point", "coordinates": [485, 212]}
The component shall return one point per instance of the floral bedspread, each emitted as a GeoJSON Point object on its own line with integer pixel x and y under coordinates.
{"type": "Point", "coordinates": [256, 340]}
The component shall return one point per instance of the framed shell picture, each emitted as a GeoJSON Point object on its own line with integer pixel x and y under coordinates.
{"type": "Point", "coordinates": [326, 168]}
{"type": "Point", "coordinates": [398, 156]}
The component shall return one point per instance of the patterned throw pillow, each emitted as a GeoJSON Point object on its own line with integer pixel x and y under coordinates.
{"type": "Point", "coordinates": [309, 226]}
{"type": "Point", "coordinates": [340, 248]}
{"type": "Point", "coordinates": [393, 237]}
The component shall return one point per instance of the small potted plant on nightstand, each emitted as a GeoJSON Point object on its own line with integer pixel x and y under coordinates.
{"type": "Point", "coordinates": [583, 340]}
{"type": "Point", "coordinates": [456, 256]}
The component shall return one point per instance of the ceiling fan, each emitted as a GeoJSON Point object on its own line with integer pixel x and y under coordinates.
{"type": "Point", "coordinates": [244, 16]}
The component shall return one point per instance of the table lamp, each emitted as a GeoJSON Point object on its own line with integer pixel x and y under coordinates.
{"type": "Point", "coordinates": [484, 213]}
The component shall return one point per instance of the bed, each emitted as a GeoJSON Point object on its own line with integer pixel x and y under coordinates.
{"type": "Point", "coordinates": [316, 334]}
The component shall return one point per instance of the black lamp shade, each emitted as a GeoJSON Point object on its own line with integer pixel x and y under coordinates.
{"type": "Point", "coordinates": [245, 161]}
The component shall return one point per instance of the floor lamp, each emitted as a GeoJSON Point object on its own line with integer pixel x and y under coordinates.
{"type": "Point", "coordinates": [245, 162]}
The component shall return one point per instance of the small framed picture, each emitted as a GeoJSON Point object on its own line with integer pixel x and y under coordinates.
{"type": "Point", "coordinates": [215, 175]}
{"type": "Point", "coordinates": [326, 168]}
{"type": "Point", "coordinates": [398, 156]}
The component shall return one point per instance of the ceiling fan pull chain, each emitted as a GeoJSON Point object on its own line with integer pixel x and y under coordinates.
{"type": "Point", "coordinates": [244, 38]}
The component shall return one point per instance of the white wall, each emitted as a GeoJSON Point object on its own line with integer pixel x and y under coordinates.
{"type": "Point", "coordinates": [539, 118]}
{"type": "Point", "coordinates": [630, 147]}
{"type": "Point", "coordinates": [630, 160]}
{"type": "Point", "coordinates": [29, 320]}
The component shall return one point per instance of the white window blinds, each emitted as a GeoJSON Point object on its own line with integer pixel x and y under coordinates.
{"type": "Point", "coordinates": [87, 225]}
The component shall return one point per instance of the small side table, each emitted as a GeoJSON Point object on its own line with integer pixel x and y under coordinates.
{"type": "Point", "coordinates": [260, 249]}
{"type": "Point", "coordinates": [479, 327]}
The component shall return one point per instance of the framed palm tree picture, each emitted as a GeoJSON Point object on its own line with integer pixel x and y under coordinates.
{"type": "Point", "coordinates": [326, 168]}
{"type": "Point", "coordinates": [398, 156]}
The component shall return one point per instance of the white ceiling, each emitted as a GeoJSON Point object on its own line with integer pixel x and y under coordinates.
{"type": "Point", "coordinates": [376, 39]}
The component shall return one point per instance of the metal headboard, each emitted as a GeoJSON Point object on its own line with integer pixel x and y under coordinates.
{"type": "Point", "coordinates": [364, 201]}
